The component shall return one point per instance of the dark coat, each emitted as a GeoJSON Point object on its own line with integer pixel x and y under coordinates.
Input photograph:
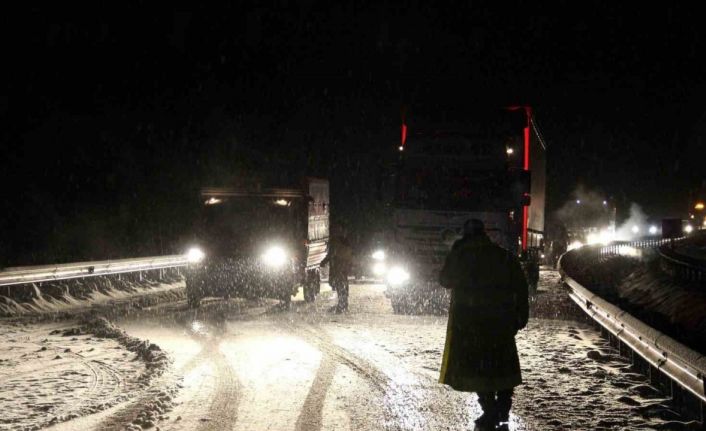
{"type": "Point", "coordinates": [340, 259]}
{"type": "Point", "coordinates": [489, 304]}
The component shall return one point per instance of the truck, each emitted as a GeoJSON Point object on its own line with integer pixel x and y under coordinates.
{"type": "Point", "coordinates": [259, 243]}
{"type": "Point", "coordinates": [493, 170]}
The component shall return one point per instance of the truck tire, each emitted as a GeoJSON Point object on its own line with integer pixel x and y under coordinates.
{"type": "Point", "coordinates": [310, 286]}
{"type": "Point", "coordinates": [399, 305]}
{"type": "Point", "coordinates": [193, 292]}
{"type": "Point", "coordinates": [317, 281]}
{"type": "Point", "coordinates": [285, 301]}
{"type": "Point", "coordinates": [309, 292]}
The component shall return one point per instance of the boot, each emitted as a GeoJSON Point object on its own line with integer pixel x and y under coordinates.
{"type": "Point", "coordinates": [486, 421]}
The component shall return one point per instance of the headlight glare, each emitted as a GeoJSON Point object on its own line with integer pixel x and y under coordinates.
{"type": "Point", "coordinates": [397, 276]}
{"type": "Point", "coordinates": [379, 255]}
{"type": "Point", "coordinates": [195, 255]}
{"type": "Point", "coordinates": [379, 268]}
{"type": "Point", "coordinates": [274, 256]}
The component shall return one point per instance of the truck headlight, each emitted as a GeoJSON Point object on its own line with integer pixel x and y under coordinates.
{"type": "Point", "coordinates": [397, 275]}
{"type": "Point", "coordinates": [379, 268]}
{"type": "Point", "coordinates": [274, 256]}
{"type": "Point", "coordinates": [379, 255]}
{"type": "Point", "coordinates": [195, 255]}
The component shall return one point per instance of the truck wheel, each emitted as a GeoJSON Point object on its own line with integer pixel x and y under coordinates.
{"type": "Point", "coordinates": [286, 301]}
{"type": "Point", "coordinates": [399, 305]}
{"type": "Point", "coordinates": [317, 281]}
{"type": "Point", "coordinates": [193, 301]}
{"type": "Point", "coordinates": [311, 285]}
{"type": "Point", "coordinates": [193, 293]}
{"type": "Point", "coordinates": [309, 292]}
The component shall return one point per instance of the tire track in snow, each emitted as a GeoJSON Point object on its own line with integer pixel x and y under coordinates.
{"type": "Point", "coordinates": [398, 401]}
{"type": "Point", "coordinates": [223, 400]}
{"type": "Point", "coordinates": [311, 416]}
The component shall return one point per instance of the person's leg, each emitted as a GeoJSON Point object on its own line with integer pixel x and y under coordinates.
{"type": "Point", "coordinates": [343, 294]}
{"type": "Point", "coordinates": [487, 403]}
{"type": "Point", "coordinates": [504, 404]}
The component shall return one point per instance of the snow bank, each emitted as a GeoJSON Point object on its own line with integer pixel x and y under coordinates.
{"type": "Point", "coordinates": [155, 360]}
{"type": "Point", "coordinates": [55, 372]}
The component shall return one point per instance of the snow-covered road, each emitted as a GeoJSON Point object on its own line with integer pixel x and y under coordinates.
{"type": "Point", "coordinates": [253, 367]}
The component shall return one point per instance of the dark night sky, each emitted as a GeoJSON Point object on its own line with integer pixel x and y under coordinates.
{"type": "Point", "coordinates": [112, 115]}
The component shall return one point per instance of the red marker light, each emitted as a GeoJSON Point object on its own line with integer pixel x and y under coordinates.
{"type": "Point", "coordinates": [404, 136]}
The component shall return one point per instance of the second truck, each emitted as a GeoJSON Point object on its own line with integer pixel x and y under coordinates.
{"type": "Point", "coordinates": [493, 170]}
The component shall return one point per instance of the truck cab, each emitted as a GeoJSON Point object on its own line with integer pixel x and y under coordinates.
{"type": "Point", "coordinates": [443, 178]}
{"type": "Point", "coordinates": [256, 243]}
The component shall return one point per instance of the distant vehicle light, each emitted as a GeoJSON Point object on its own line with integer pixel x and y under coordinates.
{"type": "Point", "coordinates": [379, 255]}
{"type": "Point", "coordinates": [542, 255]}
{"type": "Point", "coordinates": [635, 229]}
{"type": "Point", "coordinates": [282, 202]}
{"type": "Point", "coordinates": [578, 201]}
{"type": "Point", "coordinates": [593, 238]}
{"type": "Point", "coordinates": [510, 151]}
{"type": "Point", "coordinates": [379, 269]}
{"type": "Point", "coordinates": [574, 245]}
{"type": "Point", "coordinates": [397, 276]}
{"type": "Point", "coordinates": [688, 228]}
{"type": "Point", "coordinates": [401, 148]}
{"type": "Point", "coordinates": [212, 201]}
{"type": "Point", "coordinates": [626, 250]}
{"type": "Point", "coordinates": [195, 255]}
{"type": "Point", "coordinates": [699, 206]}
{"type": "Point", "coordinates": [605, 202]}
{"type": "Point", "coordinates": [274, 256]}
{"type": "Point", "coordinates": [653, 230]}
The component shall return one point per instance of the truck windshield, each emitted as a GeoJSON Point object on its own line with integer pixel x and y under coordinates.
{"type": "Point", "coordinates": [247, 220]}
{"type": "Point", "coordinates": [439, 186]}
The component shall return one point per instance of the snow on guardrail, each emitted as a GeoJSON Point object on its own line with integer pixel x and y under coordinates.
{"type": "Point", "coordinates": [681, 364]}
{"type": "Point", "coordinates": [66, 271]}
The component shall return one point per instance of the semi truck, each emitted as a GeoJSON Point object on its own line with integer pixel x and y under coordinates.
{"type": "Point", "coordinates": [255, 242]}
{"type": "Point", "coordinates": [493, 171]}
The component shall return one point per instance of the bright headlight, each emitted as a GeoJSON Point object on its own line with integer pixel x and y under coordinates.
{"type": "Point", "coordinates": [379, 255]}
{"type": "Point", "coordinates": [274, 256]}
{"type": "Point", "coordinates": [397, 275]}
{"type": "Point", "coordinates": [195, 255]}
{"type": "Point", "coordinates": [379, 268]}
{"type": "Point", "coordinates": [575, 244]}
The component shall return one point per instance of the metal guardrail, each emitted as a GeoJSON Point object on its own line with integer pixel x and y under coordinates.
{"type": "Point", "coordinates": [616, 248]}
{"type": "Point", "coordinates": [681, 364]}
{"type": "Point", "coordinates": [44, 273]}
{"type": "Point", "coordinates": [681, 266]}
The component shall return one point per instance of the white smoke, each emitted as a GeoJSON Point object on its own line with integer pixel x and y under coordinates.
{"type": "Point", "coordinates": [590, 215]}
{"type": "Point", "coordinates": [634, 227]}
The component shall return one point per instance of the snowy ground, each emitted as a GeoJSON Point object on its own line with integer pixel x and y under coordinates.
{"type": "Point", "coordinates": [54, 372]}
{"type": "Point", "coordinates": [248, 366]}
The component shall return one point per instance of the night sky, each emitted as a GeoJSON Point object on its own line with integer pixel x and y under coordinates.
{"type": "Point", "coordinates": [114, 117]}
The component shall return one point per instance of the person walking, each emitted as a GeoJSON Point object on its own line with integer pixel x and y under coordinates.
{"type": "Point", "coordinates": [340, 258]}
{"type": "Point", "coordinates": [489, 304]}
